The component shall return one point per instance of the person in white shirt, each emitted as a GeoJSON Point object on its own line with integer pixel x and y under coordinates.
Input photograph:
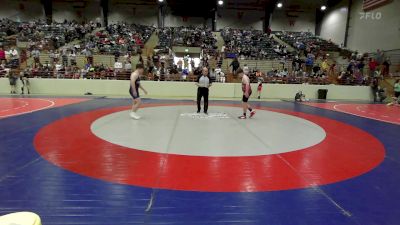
{"type": "Point", "coordinates": [203, 83]}
{"type": "Point", "coordinates": [14, 54]}
{"type": "Point", "coordinates": [220, 76]}
{"type": "Point", "coordinates": [128, 67]}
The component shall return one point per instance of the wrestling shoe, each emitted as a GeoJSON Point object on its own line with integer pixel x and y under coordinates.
{"type": "Point", "coordinates": [135, 116]}
{"type": "Point", "coordinates": [243, 117]}
{"type": "Point", "coordinates": [252, 113]}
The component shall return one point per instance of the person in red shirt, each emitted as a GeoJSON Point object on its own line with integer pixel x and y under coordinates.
{"type": "Point", "coordinates": [372, 66]}
{"type": "Point", "coordinates": [2, 55]}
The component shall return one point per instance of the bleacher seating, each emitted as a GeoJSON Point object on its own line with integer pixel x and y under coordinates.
{"type": "Point", "coordinates": [251, 44]}
{"type": "Point", "coordinates": [50, 37]}
{"type": "Point", "coordinates": [120, 38]}
{"type": "Point", "coordinates": [306, 40]}
{"type": "Point", "coordinates": [189, 37]}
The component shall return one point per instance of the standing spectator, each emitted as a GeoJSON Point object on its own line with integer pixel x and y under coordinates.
{"type": "Point", "coordinates": [386, 66]}
{"type": "Point", "coordinates": [141, 60]}
{"type": "Point", "coordinates": [72, 58]}
{"type": "Point", "coordinates": [309, 64]}
{"type": "Point", "coordinates": [128, 67]}
{"type": "Point", "coordinates": [116, 55]}
{"type": "Point", "coordinates": [223, 51]}
{"type": "Point", "coordinates": [36, 56]}
{"type": "Point", "coordinates": [186, 62]}
{"type": "Point", "coordinates": [192, 64]}
{"type": "Point", "coordinates": [117, 67]}
{"type": "Point", "coordinates": [2, 55]}
{"type": "Point", "coordinates": [64, 58]}
{"type": "Point", "coordinates": [51, 56]}
{"type": "Point", "coordinates": [374, 87]}
{"type": "Point", "coordinates": [56, 57]}
{"type": "Point", "coordinates": [397, 88]}
{"type": "Point", "coordinates": [360, 66]}
{"type": "Point", "coordinates": [235, 65]}
{"type": "Point", "coordinates": [13, 77]}
{"type": "Point", "coordinates": [88, 54]}
{"type": "Point", "coordinates": [372, 67]}
{"type": "Point", "coordinates": [180, 63]}
{"type": "Point", "coordinates": [14, 58]}
{"type": "Point", "coordinates": [380, 56]}
{"type": "Point", "coordinates": [150, 65]}
{"type": "Point", "coordinates": [325, 66]}
{"type": "Point", "coordinates": [24, 76]}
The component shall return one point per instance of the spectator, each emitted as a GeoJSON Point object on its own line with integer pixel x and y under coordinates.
{"type": "Point", "coordinates": [72, 58]}
{"type": "Point", "coordinates": [397, 88]}
{"type": "Point", "coordinates": [386, 66]}
{"type": "Point", "coordinates": [2, 55]}
{"type": "Point", "coordinates": [309, 64]}
{"type": "Point", "coordinates": [64, 58]}
{"type": "Point", "coordinates": [117, 67]}
{"type": "Point", "coordinates": [372, 67]}
{"type": "Point", "coordinates": [13, 77]}
{"type": "Point", "coordinates": [36, 56]}
{"type": "Point", "coordinates": [235, 65]}
{"type": "Point", "coordinates": [89, 55]}
{"type": "Point", "coordinates": [128, 67]}
{"type": "Point", "coordinates": [24, 76]}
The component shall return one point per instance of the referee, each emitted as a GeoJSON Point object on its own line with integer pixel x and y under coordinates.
{"type": "Point", "coordinates": [203, 83]}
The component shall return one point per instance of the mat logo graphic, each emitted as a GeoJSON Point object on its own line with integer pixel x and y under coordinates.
{"type": "Point", "coordinates": [370, 15]}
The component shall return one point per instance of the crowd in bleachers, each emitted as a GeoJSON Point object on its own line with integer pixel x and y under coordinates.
{"type": "Point", "coordinates": [8, 27]}
{"type": "Point", "coordinates": [52, 36]}
{"type": "Point", "coordinates": [251, 44]}
{"type": "Point", "coordinates": [119, 38]}
{"type": "Point", "coordinates": [308, 65]}
{"type": "Point", "coordinates": [188, 37]}
{"type": "Point", "coordinates": [306, 42]}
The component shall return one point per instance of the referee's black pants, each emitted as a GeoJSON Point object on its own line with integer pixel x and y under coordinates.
{"type": "Point", "coordinates": [202, 92]}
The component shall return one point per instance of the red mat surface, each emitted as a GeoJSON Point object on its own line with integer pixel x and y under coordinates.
{"type": "Point", "coordinates": [384, 113]}
{"type": "Point", "coordinates": [17, 106]}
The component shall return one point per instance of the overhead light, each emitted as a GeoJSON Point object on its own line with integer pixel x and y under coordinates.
{"type": "Point", "coordinates": [323, 8]}
{"type": "Point", "coordinates": [160, 1]}
{"type": "Point", "coordinates": [186, 50]}
{"type": "Point", "coordinates": [220, 2]}
{"type": "Point", "coordinates": [279, 5]}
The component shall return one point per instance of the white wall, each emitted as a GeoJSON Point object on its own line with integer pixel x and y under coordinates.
{"type": "Point", "coordinates": [250, 19]}
{"type": "Point", "coordinates": [177, 21]}
{"type": "Point", "coordinates": [185, 89]}
{"type": "Point", "coordinates": [333, 24]}
{"type": "Point", "coordinates": [145, 15]}
{"type": "Point", "coordinates": [66, 11]}
{"type": "Point", "coordinates": [368, 35]}
{"type": "Point", "coordinates": [18, 10]}
{"type": "Point", "coordinates": [304, 22]}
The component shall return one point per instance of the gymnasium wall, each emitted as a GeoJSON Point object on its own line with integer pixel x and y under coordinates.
{"type": "Point", "coordinates": [185, 89]}
{"type": "Point", "coordinates": [294, 17]}
{"type": "Point", "coordinates": [333, 25]}
{"type": "Point", "coordinates": [368, 35]}
{"type": "Point", "coordinates": [381, 30]}
{"type": "Point", "coordinates": [146, 15]}
{"type": "Point", "coordinates": [90, 11]}
{"type": "Point", "coordinates": [251, 19]}
{"type": "Point", "coordinates": [19, 10]}
{"type": "Point", "coordinates": [177, 21]}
